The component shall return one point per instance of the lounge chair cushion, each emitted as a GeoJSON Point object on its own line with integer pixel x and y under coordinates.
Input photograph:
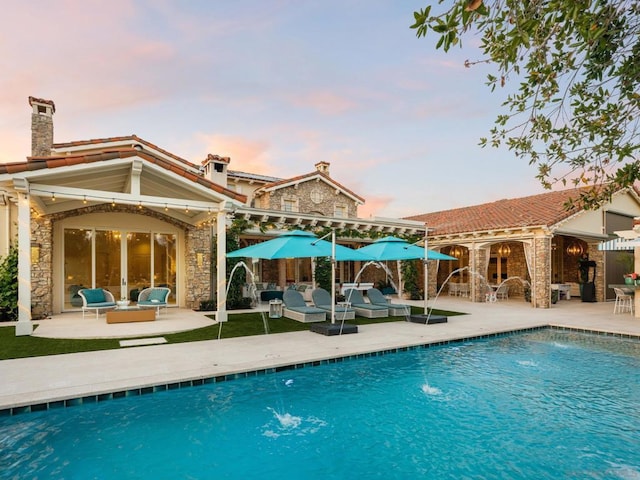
{"type": "Point", "coordinates": [94, 295]}
{"type": "Point", "coordinates": [355, 298]}
{"type": "Point", "coordinates": [293, 299]}
{"type": "Point", "coordinates": [157, 296]}
{"type": "Point", "coordinates": [306, 309]}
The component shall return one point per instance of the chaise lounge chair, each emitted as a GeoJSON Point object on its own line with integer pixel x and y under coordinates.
{"type": "Point", "coordinates": [322, 299]}
{"type": "Point", "coordinates": [296, 308]}
{"type": "Point", "coordinates": [96, 299]}
{"type": "Point", "coordinates": [369, 310]}
{"type": "Point", "coordinates": [154, 297]}
{"type": "Point", "coordinates": [395, 309]}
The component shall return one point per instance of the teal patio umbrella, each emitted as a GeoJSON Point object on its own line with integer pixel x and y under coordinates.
{"type": "Point", "coordinates": [300, 244]}
{"type": "Point", "coordinates": [393, 248]}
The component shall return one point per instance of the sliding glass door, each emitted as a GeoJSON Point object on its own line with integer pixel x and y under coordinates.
{"type": "Point", "coordinates": [123, 262]}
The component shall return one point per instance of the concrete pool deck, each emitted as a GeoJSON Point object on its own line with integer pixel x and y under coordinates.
{"type": "Point", "coordinates": [45, 380]}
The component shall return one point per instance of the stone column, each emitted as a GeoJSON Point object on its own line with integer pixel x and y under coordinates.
{"type": "Point", "coordinates": [541, 279]}
{"type": "Point", "coordinates": [41, 267]}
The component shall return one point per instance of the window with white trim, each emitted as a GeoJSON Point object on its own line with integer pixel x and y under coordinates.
{"type": "Point", "coordinates": [340, 211]}
{"type": "Point", "coordinates": [290, 204]}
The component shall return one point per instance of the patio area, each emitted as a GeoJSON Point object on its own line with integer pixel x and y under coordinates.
{"type": "Point", "coordinates": [73, 325]}
{"type": "Point", "coordinates": [42, 380]}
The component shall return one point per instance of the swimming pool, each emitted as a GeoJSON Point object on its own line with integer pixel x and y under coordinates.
{"type": "Point", "coordinates": [544, 404]}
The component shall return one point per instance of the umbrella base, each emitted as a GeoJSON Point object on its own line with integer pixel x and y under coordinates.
{"type": "Point", "coordinates": [329, 329]}
{"type": "Point", "coordinates": [427, 319]}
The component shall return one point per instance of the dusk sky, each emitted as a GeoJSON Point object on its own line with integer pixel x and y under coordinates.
{"type": "Point", "coordinates": [276, 85]}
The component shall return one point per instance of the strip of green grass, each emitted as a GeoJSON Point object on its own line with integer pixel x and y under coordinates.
{"type": "Point", "coordinates": [239, 325]}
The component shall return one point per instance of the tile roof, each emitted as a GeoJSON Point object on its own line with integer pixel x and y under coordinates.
{"type": "Point", "coordinates": [42, 163]}
{"type": "Point", "coordinates": [33, 100]}
{"type": "Point", "coordinates": [133, 138]}
{"type": "Point", "coordinates": [544, 209]}
{"type": "Point", "coordinates": [309, 176]}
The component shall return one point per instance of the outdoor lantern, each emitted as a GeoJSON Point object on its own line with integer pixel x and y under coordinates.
{"type": "Point", "coordinates": [275, 308]}
{"type": "Point", "coordinates": [504, 250]}
{"type": "Point", "coordinates": [575, 249]}
{"type": "Point", "coordinates": [35, 252]}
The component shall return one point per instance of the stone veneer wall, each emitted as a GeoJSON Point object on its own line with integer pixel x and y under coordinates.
{"type": "Point", "coordinates": [542, 274]}
{"type": "Point", "coordinates": [516, 267]}
{"type": "Point", "coordinates": [42, 270]}
{"type": "Point", "coordinates": [41, 134]}
{"type": "Point", "coordinates": [598, 257]}
{"type": "Point", "coordinates": [198, 240]}
{"type": "Point", "coordinates": [198, 248]}
{"type": "Point", "coordinates": [305, 205]}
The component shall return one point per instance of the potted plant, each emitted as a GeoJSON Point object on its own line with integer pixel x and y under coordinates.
{"type": "Point", "coordinates": [411, 289]}
{"type": "Point", "coordinates": [632, 279]}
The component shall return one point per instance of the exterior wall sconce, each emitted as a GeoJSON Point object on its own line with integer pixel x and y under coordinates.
{"type": "Point", "coordinates": [35, 252]}
{"type": "Point", "coordinates": [575, 249]}
{"type": "Point", "coordinates": [504, 250]}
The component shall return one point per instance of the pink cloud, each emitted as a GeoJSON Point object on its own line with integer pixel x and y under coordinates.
{"type": "Point", "coordinates": [325, 102]}
{"type": "Point", "coordinates": [246, 155]}
{"type": "Point", "coordinates": [373, 206]}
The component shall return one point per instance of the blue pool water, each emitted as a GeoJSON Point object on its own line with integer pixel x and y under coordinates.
{"type": "Point", "coordinates": [543, 404]}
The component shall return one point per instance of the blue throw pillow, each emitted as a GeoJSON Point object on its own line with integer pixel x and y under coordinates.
{"type": "Point", "coordinates": [94, 295]}
{"type": "Point", "coordinates": [157, 295]}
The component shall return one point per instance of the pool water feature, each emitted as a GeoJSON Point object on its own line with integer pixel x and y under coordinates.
{"type": "Point", "coordinates": [544, 404]}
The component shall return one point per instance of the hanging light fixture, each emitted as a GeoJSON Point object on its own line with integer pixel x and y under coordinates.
{"type": "Point", "coordinates": [504, 250]}
{"type": "Point", "coordinates": [455, 251]}
{"type": "Point", "coordinates": [575, 249]}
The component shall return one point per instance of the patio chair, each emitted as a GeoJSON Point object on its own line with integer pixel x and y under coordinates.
{"type": "Point", "coordinates": [624, 301]}
{"type": "Point", "coordinates": [490, 295]}
{"type": "Point", "coordinates": [154, 297]}
{"type": "Point", "coordinates": [502, 292]}
{"type": "Point", "coordinates": [96, 299]}
{"type": "Point", "coordinates": [363, 308]}
{"type": "Point", "coordinates": [322, 299]}
{"type": "Point", "coordinates": [395, 309]}
{"type": "Point", "coordinates": [296, 308]}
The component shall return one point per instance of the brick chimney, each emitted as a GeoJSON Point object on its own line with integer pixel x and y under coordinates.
{"type": "Point", "coordinates": [323, 167]}
{"type": "Point", "coordinates": [41, 126]}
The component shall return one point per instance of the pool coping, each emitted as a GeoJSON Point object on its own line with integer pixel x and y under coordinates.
{"type": "Point", "coordinates": [199, 381]}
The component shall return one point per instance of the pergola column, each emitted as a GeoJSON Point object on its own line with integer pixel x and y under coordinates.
{"type": "Point", "coordinates": [221, 265]}
{"type": "Point", "coordinates": [24, 325]}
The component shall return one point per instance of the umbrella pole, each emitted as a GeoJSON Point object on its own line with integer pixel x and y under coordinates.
{"type": "Point", "coordinates": [333, 276]}
{"type": "Point", "coordinates": [426, 270]}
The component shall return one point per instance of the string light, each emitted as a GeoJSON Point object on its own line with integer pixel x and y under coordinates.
{"type": "Point", "coordinates": [97, 198]}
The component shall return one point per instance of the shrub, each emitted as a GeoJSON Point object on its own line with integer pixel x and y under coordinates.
{"type": "Point", "coordinates": [9, 284]}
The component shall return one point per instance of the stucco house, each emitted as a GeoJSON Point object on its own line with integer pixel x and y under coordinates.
{"type": "Point", "coordinates": [532, 242]}
{"type": "Point", "coordinates": [122, 213]}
